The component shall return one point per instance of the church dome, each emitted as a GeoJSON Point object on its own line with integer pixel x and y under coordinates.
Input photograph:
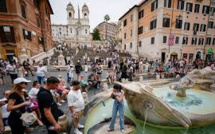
{"type": "Point", "coordinates": [70, 6]}
{"type": "Point", "coordinates": [85, 7]}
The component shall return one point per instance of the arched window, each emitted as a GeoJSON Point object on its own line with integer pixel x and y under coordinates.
{"type": "Point", "coordinates": [198, 55]}
{"type": "Point", "coordinates": [85, 15]}
{"type": "Point", "coordinates": [70, 30]}
{"type": "Point", "coordinates": [23, 9]}
{"type": "Point", "coordinates": [86, 31]}
{"type": "Point", "coordinates": [70, 14]}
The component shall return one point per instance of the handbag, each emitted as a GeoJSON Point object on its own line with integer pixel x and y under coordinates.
{"type": "Point", "coordinates": [63, 122]}
{"type": "Point", "coordinates": [28, 119]}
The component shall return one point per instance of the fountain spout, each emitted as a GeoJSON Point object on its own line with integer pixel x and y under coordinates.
{"type": "Point", "coordinates": [181, 90]}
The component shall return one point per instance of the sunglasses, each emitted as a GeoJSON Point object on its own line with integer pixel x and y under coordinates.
{"type": "Point", "coordinates": [24, 83]}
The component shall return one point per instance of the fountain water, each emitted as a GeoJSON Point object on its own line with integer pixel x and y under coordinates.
{"type": "Point", "coordinates": [186, 130]}
{"type": "Point", "coordinates": [145, 120]}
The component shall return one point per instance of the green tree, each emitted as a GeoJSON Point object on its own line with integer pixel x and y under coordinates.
{"type": "Point", "coordinates": [106, 17]}
{"type": "Point", "coordinates": [96, 34]}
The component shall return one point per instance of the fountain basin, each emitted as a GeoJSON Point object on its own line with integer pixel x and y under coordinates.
{"type": "Point", "coordinates": [164, 108]}
{"type": "Point", "coordinates": [99, 113]}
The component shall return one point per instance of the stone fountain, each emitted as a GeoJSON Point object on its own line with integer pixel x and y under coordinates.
{"type": "Point", "coordinates": [184, 107]}
{"type": "Point", "coordinates": [165, 106]}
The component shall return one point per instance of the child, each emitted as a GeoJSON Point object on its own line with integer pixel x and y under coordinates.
{"type": "Point", "coordinates": [71, 73]}
{"type": "Point", "coordinates": [61, 89]}
{"type": "Point", "coordinates": [33, 92]}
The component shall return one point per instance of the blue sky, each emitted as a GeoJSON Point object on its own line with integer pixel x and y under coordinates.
{"type": "Point", "coordinates": [98, 8]}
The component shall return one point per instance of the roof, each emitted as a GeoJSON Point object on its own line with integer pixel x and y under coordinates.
{"type": "Point", "coordinates": [139, 5]}
{"type": "Point", "coordinates": [111, 23]}
{"type": "Point", "coordinates": [128, 11]}
{"type": "Point", "coordinates": [50, 7]}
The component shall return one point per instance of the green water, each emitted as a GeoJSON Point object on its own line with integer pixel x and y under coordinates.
{"type": "Point", "coordinates": [100, 112]}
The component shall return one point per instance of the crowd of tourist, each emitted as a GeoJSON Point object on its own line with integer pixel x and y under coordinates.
{"type": "Point", "coordinates": [40, 104]}
{"type": "Point", "coordinates": [21, 109]}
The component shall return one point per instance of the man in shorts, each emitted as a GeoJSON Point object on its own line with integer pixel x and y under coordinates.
{"type": "Point", "coordinates": [76, 105]}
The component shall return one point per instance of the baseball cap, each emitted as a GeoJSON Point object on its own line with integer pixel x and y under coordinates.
{"type": "Point", "coordinates": [75, 83]}
{"type": "Point", "coordinates": [20, 80]}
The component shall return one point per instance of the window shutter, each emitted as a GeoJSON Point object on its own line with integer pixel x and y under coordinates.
{"type": "Point", "coordinates": [29, 35]}
{"type": "Point", "coordinates": [23, 30]}
{"type": "Point", "coordinates": [2, 34]}
{"type": "Point", "coordinates": [13, 39]}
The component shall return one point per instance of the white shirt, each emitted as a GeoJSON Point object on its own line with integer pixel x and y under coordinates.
{"type": "Point", "coordinates": [41, 71]}
{"type": "Point", "coordinates": [33, 93]}
{"type": "Point", "coordinates": [181, 63]}
{"type": "Point", "coordinates": [11, 69]}
{"type": "Point", "coordinates": [76, 100]}
{"type": "Point", "coordinates": [71, 72]}
{"type": "Point", "coordinates": [86, 68]}
{"type": "Point", "coordinates": [5, 113]}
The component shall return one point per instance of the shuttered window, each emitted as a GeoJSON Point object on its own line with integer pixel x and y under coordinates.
{"type": "Point", "coordinates": [3, 6]}
{"type": "Point", "coordinates": [7, 34]}
{"type": "Point", "coordinates": [27, 34]}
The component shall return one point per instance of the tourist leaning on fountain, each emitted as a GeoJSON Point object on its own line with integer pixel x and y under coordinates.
{"type": "Point", "coordinates": [118, 96]}
{"type": "Point", "coordinates": [76, 105]}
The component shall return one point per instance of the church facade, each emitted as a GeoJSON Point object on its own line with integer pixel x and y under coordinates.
{"type": "Point", "coordinates": [77, 30]}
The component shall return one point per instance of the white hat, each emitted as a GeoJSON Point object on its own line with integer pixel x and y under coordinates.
{"type": "Point", "coordinates": [20, 80]}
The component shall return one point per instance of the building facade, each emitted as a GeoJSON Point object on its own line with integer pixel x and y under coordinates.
{"type": "Point", "coordinates": [199, 30]}
{"type": "Point", "coordinates": [163, 29]}
{"type": "Point", "coordinates": [77, 30]}
{"type": "Point", "coordinates": [107, 30]}
{"type": "Point", "coordinates": [25, 24]}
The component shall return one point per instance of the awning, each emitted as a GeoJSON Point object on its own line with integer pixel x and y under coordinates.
{"type": "Point", "coordinates": [174, 54]}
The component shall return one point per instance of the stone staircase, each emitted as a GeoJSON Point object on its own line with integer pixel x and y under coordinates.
{"type": "Point", "coordinates": [54, 57]}
{"type": "Point", "coordinates": [90, 52]}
